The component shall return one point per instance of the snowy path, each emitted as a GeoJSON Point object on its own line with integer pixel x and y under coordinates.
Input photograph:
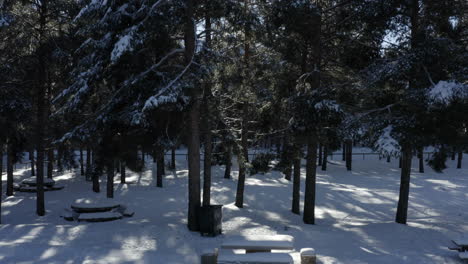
{"type": "Point", "coordinates": [355, 218]}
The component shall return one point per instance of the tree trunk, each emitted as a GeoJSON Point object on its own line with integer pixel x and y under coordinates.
{"type": "Point", "coordinates": [1, 179]}
{"type": "Point", "coordinates": [286, 156]}
{"type": "Point", "coordinates": [122, 172]}
{"type": "Point", "coordinates": [227, 171]}
{"type": "Point", "coordinates": [349, 154]}
{"type": "Point", "coordinates": [95, 174]}
{"type": "Point", "coordinates": [344, 151]}
{"type": "Point", "coordinates": [60, 158]}
{"type": "Point", "coordinates": [50, 163]}
{"type": "Point", "coordinates": [421, 160]}
{"type": "Point", "coordinates": [402, 209]}
{"type": "Point", "coordinates": [194, 114]}
{"type": "Point", "coordinates": [110, 178]}
{"type": "Point", "coordinates": [173, 158]}
{"type": "Point", "coordinates": [82, 162]}
{"type": "Point", "coordinates": [32, 160]}
{"type": "Point", "coordinates": [325, 158]}
{"type": "Point", "coordinates": [310, 183]}
{"type": "Point", "coordinates": [453, 155]}
{"type": "Point", "coordinates": [240, 181]}
{"type": "Point", "coordinates": [159, 167]}
{"type": "Point", "coordinates": [88, 164]}
{"type": "Point", "coordinates": [388, 158]}
{"type": "Point", "coordinates": [10, 157]}
{"type": "Point", "coordinates": [320, 151]}
{"type": "Point", "coordinates": [459, 161]}
{"type": "Point", "coordinates": [207, 119]}
{"type": "Point", "coordinates": [296, 186]}
{"type": "Point", "coordinates": [242, 160]}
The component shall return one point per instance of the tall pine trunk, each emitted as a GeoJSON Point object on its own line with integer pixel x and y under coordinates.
{"type": "Point", "coordinates": [159, 167]}
{"type": "Point", "coordinates": [82, 162]}
{"type": "Point", "coordinates": [110, 178]}
{"type": "Point", "coordinates": [32, 160]}
{"type": "Point", "coordinates": [242, 158]}
{"type": "Point", "coordinates": [349, 154]}
{"type": "Point", "coordinates": [421, 160]}
{"type": "Point", "coordinates": [402, 209]}
{"type": "Point", "coordinates": [122, 172]}
{"type": "Point", "coordinates": [320, 151]}
{"type": "Point", "coordinates": [325, 158]}
{"type": "Point", "coordinates": [50, 163]}
{"type": "Point", "coordinates": [10, 157]}
{"type": "Point", "coordinates": [207, 120]}
{"type": "Point", "coordinates": [241, 180]}
{"type": "Point", "coordinates": [459, 160]}
{"type": "Point", "coordinates": [296, 185]}
{"type": "Point", "coordinates": [287, 157]}
{"type": "Point", "coordinates": [95, 174]}
{"type": "Point", "coordinates": [1, 179]}
{"type": "Point", "coordinates": [194, 116]}
{"type": "Point", "coordinates": [173, 158]}
{"type": "Point", "coordinates": [228, 163]}
{"type": "Point", "coordinates": [344, 151]}
{"type": "Point", "coordinates": [88, 164]}
{"type": "Point", "coordinates": [310, 182]}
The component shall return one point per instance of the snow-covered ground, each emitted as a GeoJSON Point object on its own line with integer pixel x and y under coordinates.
{"type": "Point", "coordinates": [355, 217]}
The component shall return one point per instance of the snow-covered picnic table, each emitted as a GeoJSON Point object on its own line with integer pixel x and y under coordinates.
{"type": "Point", "coordinates": [260, 243]}
{"type": "Point", "coordinates": [277, 249]}
{"type": "Point", "coordinates": [461, 245]}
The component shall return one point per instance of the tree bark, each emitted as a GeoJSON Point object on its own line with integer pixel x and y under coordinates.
{"type": "Point", "coordinates": [82, 162]}
{"type": "Point", "coordinates": [287, 157]}
{"type": "Point", "coordinates": [159, 167]}
{"type": "Point", "coordinates": [453, 155]}
{"type": "Point", "coordinates": [241, 180]}
{"type": "Point", "coordinates": [31, 159]}
{"type": "Point", "coordinates": [173, 158]}
{"type": "Point", "coordinates": [10, 157]}
{"type": "Point", "coordinates": [320, 151]}
{"type": "Point", "coordinates": [296, 186]}
{"type": "Point", "coordinates": [344, 151]}
{"type": "Point", "coordinates": [207, 120]}
{"type": "Point", "coordinates": [421, 160]}
{"type": "Point", "coordinates": [194, 138]}
{"type": "Point", "coordinates": [227, 171]}
{"type": "Point", "coordinates": [1, 179]}
{"type": "Point", "coordinates": [402, 209]}
{"type": "Point", "coordinates": [110, 178]}
{"type": "Point", "coordinates": [459, 161]}
{"type": "Point", "coordinates": [95, 174]}
{"type": "Point", "coordinates": [325, 158]}
{"type": "Point", "coordinates": [88, 164]}
{"type": "Point", "coordinates": [50, 163]}
{"type": "Point", "coordinates": [388, 158]}
{"type": "Point", "coordinates": [122, 172]}
{"type": "Point", "coordinates": [310, 183]}
{"type": "Point", "coordinates": [349, 154]}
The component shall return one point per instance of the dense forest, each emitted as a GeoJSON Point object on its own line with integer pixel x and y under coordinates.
{"type": "Point", "coordinates": [98, 84]}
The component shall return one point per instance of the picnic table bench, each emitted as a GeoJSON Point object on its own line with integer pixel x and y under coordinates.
{"type": "Point", "coordinates": [258, 250]}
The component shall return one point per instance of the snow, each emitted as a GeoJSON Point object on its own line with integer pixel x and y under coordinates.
{"type": "Point", "coordinates": [122, 46]}
{"type": "Point", "coordinates": [101, 215]}
{"type": "Point", "coordinates": [259, 242]}
{"type": "Point", "coordinates": [268, 258]}
{"type": "Point", "coordinates": [386, 144]}
{"type": "Point", "coordinates": [445, 91]}
{"type": "Point", "coordinates": [355, 214]}
{"type": "Point", "coordinates": [328, 105]}
{"type": "Point", "coordinates": [32, 180]}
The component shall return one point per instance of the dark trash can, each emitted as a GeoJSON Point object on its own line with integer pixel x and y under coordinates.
{"type": "Point", "coordinates": [210, 220]}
